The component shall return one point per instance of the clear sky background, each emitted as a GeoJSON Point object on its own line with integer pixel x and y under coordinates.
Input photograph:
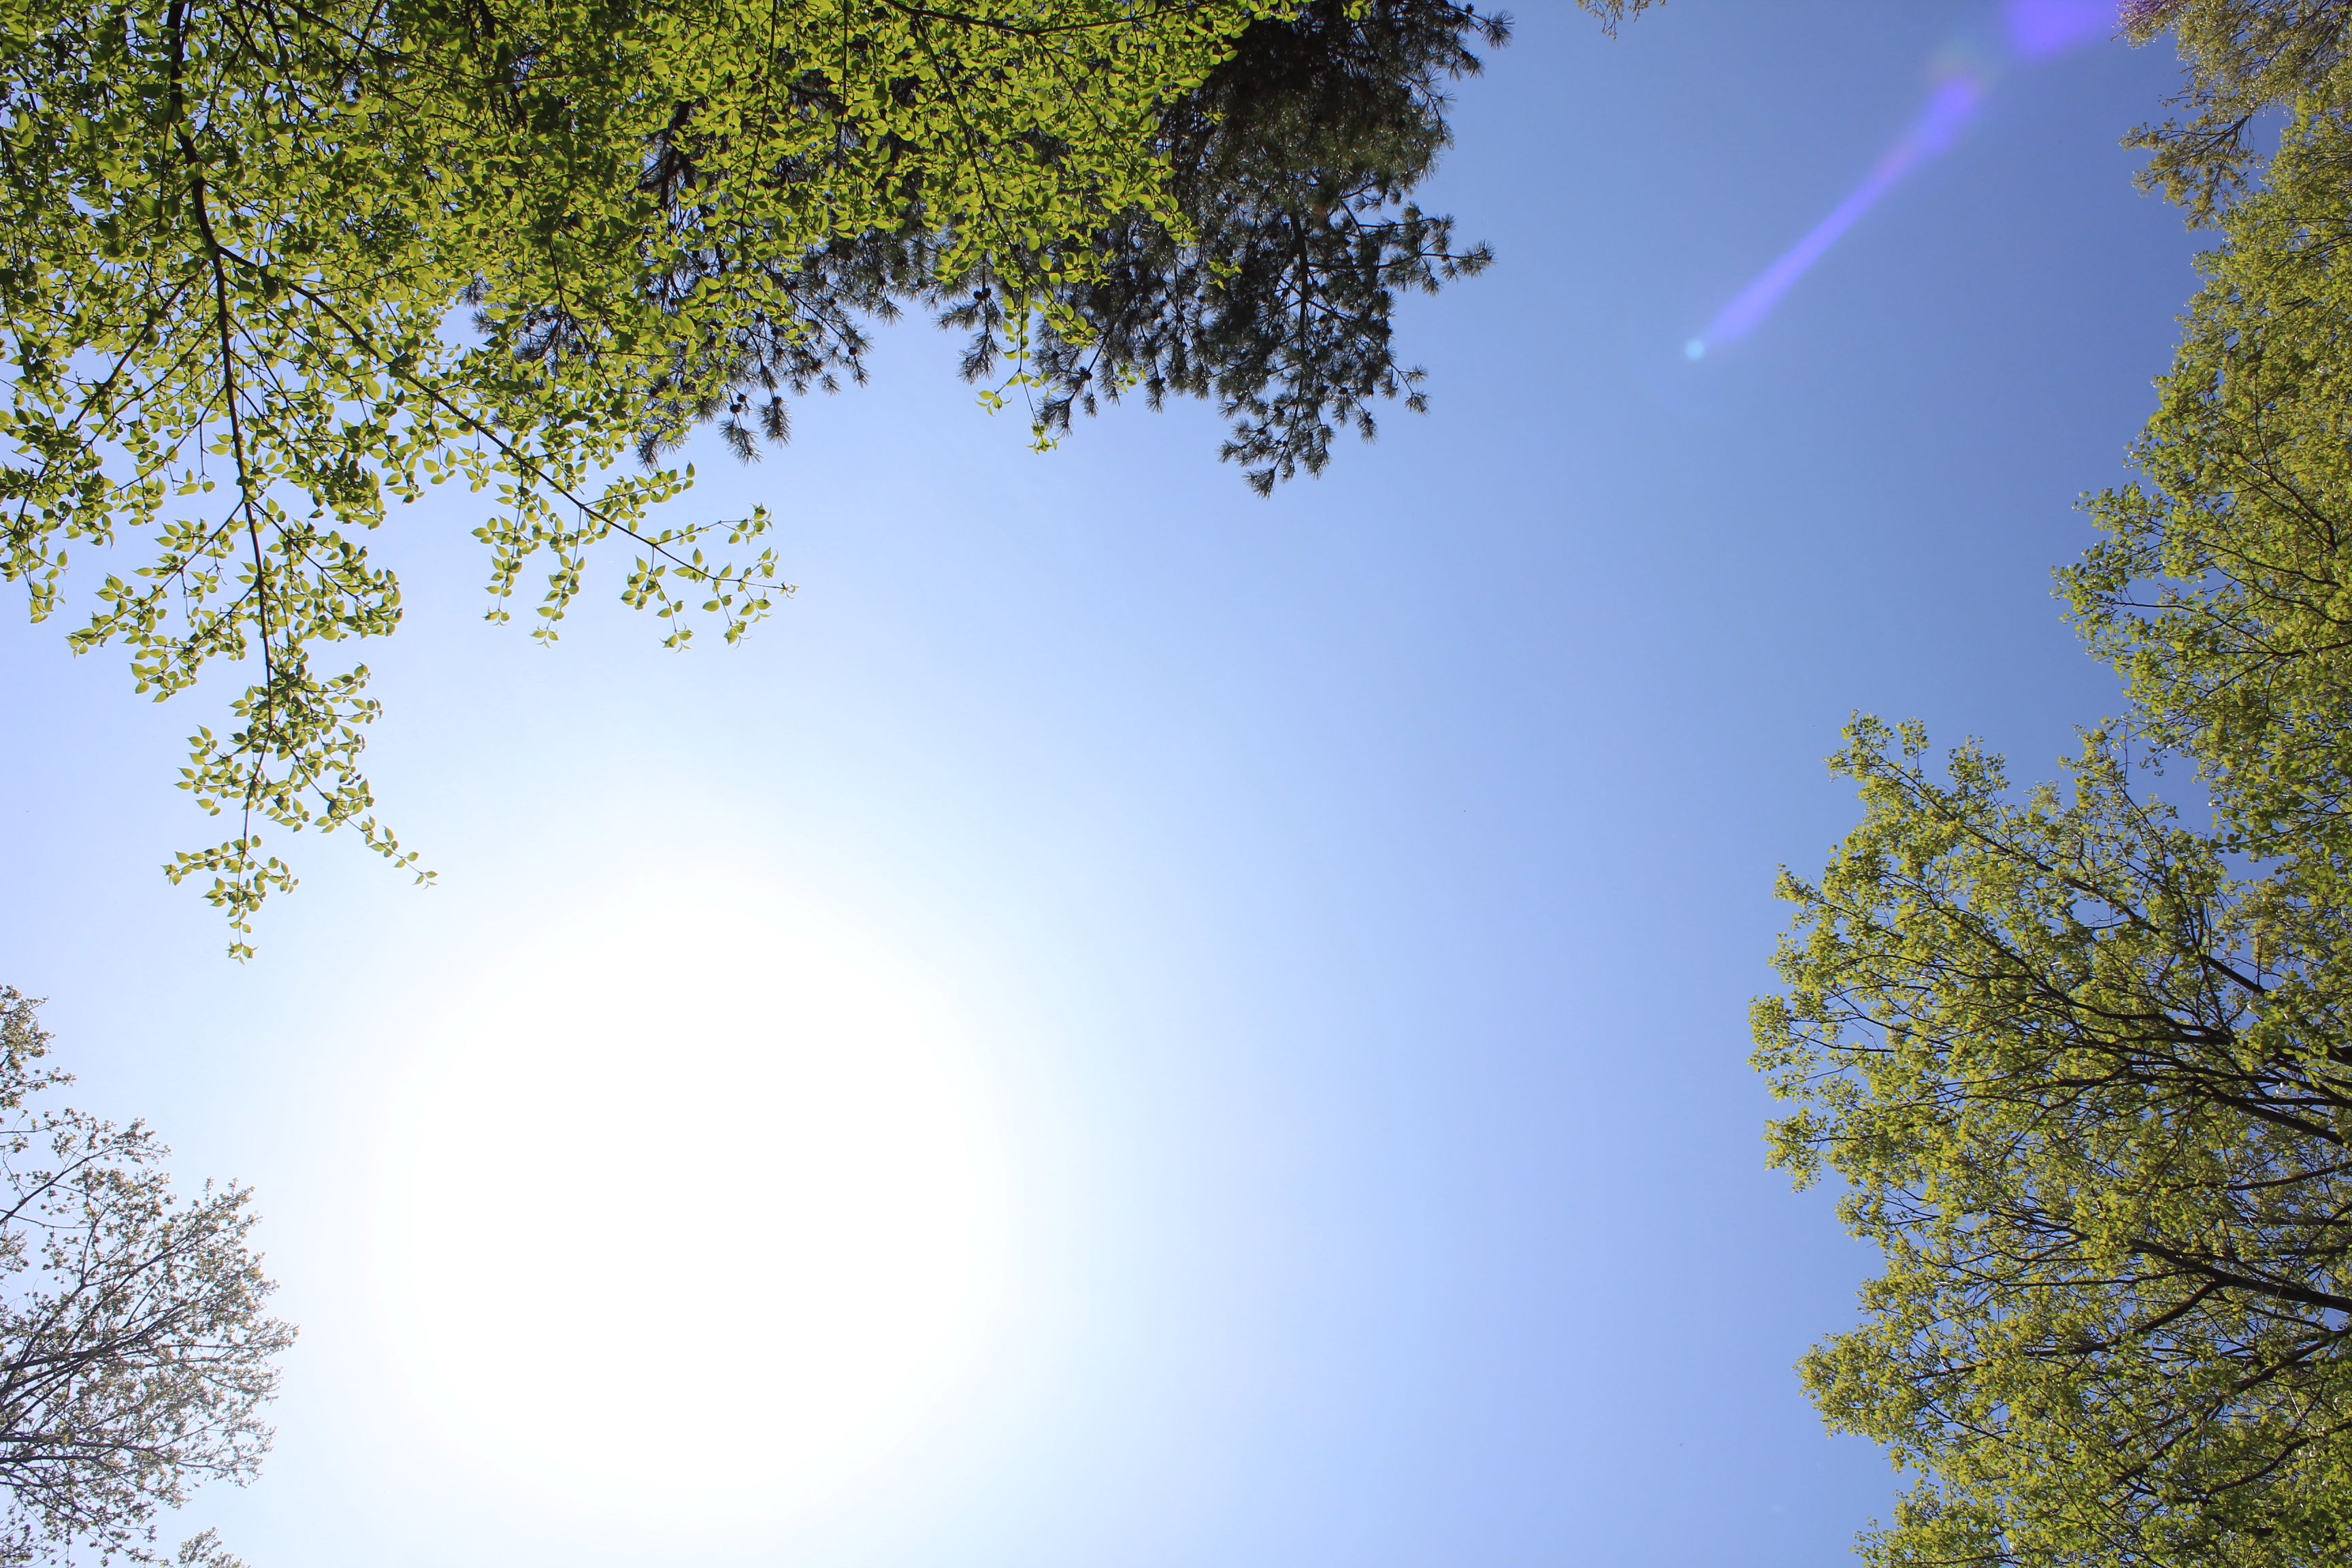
{"type": "Point", "coordinates": [1297, 952]}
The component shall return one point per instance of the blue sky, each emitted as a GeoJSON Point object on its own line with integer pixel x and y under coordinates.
{"type": "Point", "coordinates": [1337, 914]}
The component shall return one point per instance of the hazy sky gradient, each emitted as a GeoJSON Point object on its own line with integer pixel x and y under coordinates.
{"type": "Point", "coordinates": [1350, 902]}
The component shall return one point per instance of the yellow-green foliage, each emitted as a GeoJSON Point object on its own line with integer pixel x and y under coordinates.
{"type": "Point", "coordinates": [2088, 1072]}
{"type": "Point", "coordinates": [2088, 1092]}
{"type": "Point", "coordinates": [263, 264]}
{"type": "Point", "coordinates": [2224, 591]}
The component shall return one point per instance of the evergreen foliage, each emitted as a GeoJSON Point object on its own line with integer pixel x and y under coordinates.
{"type": "Point", "coordinates": [1273, 292]}
{"type": "Point", "coordinates": [241, 242]}
{"type": "Point", "coordinates": [1292, 165]}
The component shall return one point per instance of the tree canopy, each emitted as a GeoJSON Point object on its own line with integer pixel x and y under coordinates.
{"type": "Point", "coordinates": [2244, 60]}
{"type": "Point", "coordinates": [2088, 1091]}
{"type": "Point", "coordinates": [265, 266]}
{"type": "Point", "coordinates": [135, 1351]}
{"type": "Point", "coordinates": [2085, 1065]}
{"type": "Point", "coordinates": [2221, 590]}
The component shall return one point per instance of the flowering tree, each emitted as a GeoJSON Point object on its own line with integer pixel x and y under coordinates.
{"type": "Point", "coordinates": [134, 1350]}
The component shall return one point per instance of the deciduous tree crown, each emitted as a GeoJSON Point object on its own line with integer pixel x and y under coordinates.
{"type": "Point", "coordinates": [135, 1354]}
{"type": "Point", "coordinates": [265, 266]}
{"type": "Point", "coordinates": [2085, 1066]}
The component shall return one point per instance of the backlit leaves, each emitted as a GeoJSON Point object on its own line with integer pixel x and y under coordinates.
{"type": "Point", "coordinates": [266, 266]}
{"type": "Point", "coordinates": [2083, 1070]}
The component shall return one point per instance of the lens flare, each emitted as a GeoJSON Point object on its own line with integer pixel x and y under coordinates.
{"type": "Point", "coordinates": [1930, 134]}
{"type": "Point", "coordinates": [2040, 29]}
{"type": "Point", "coordinates": [2033, 31]}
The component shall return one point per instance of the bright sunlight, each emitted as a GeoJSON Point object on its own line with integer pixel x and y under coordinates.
{"type": "Point", "coordinates": [692, 1196]}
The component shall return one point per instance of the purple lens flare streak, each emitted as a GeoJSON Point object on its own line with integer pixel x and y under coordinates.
{"type": "Point", "coordinates": [2035, 30]}
{"type": "Point", "coordinates": [1930, 134]}
{"type": "Point", "coordinates": [2040, 29]}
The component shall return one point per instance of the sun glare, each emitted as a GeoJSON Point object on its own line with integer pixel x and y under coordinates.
{"type": "Point", "coordinates": [691, 1198]}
